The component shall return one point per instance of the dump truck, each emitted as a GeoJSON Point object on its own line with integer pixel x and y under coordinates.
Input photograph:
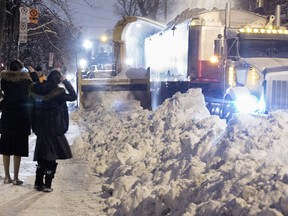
{"type": "Point", "coordinates": [238, 58]}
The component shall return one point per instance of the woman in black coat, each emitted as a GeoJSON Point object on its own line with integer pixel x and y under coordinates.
{"type": "Point", "coordinates": [15, 121]}
{"type": "Point", "coordinates": [50, 122]}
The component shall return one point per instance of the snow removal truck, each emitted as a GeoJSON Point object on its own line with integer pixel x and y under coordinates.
{"type": "Point", "coordinates": [238, 58]}
{"type": "Point", "coordinates": [130, 77]}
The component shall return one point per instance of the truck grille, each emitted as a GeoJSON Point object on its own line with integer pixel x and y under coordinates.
{"type": "Point", "coordinates": [277, 95]}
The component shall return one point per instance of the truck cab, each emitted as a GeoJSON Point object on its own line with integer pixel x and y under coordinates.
{"type": "Point", "coordinates": [255, 69]}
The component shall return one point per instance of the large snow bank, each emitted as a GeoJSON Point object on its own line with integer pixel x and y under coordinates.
{"type": "Point", "coordinates": [180, 160]}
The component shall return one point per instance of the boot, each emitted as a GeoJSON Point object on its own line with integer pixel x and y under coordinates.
{"type": "Point", "coordinates": [49, 175]}
{"type": "Point", "coordinates": [39, 184]}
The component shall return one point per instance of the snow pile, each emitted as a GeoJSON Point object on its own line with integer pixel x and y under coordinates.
{"type": "Point", "coordinates": [179, 160]}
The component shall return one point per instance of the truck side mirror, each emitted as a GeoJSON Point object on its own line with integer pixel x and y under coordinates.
{"type": "Point", "coordinates": [218, 48]}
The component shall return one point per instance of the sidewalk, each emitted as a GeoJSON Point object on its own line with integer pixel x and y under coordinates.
{"type": "Point", "coordinates": [76, 190]}
{"type": "Point", "coordinates": [28, 166]}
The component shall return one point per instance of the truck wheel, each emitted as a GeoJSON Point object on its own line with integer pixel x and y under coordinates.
{"type": "Point", "coordinates": [214, 109]}
{"type": "Point", "coordinates": [228, 108]}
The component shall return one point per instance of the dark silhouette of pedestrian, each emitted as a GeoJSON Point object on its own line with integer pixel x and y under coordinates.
{"type": "Point", "coordinates": [50, 122]}
{"type": "Point", "coordinates": [15, 120]}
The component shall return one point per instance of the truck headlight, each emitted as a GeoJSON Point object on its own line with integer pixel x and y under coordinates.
{"type": "Point", "coordinates": [246, 104]}
{"type": "Point", "coordinates": [214, 59]}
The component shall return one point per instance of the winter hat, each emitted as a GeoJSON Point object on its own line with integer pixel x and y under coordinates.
{"type": "Point", "coordinates": [16, 65]}
{"type": "Point", "coordinates": [54, 77]}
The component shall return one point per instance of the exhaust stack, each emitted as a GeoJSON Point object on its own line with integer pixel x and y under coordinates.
{"type": "Point", "coordinates": [278, 16]}
{"type": "Point", "coordinates": [260, 3]}
{"type": "Point", "coordinates": [227, 14]}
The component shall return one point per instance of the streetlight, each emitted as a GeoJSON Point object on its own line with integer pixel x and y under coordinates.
{"type": "Point", "coordinates": [87, 44]}
{"type": "Point", "coordinates": [103, 38]}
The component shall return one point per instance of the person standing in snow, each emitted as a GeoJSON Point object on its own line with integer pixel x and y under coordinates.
{"type": "Point", "coordinates": [15, 118]}
{"type": "Point", "coordinates": [50, 122]}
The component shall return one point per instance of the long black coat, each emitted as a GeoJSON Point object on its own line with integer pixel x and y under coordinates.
{"type": "Point", "coordinates": [15, 119]}
{"type": "Point", "coordinates": [50, 113]}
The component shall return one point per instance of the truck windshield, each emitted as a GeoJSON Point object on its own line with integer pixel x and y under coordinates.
{"type": "Point", "coordinates": [253, 48]}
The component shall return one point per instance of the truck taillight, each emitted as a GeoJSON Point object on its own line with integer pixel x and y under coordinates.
{"type": "Point", "coordinates": [231, 76]}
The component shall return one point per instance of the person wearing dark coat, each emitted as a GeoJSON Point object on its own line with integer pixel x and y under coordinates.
{"type": "Point", "coordinates": [15, 119]}
{"type": "Point", "coordinates": [50, 122]}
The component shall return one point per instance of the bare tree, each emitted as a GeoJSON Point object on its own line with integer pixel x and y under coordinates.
{"type": "Point", "coordinates": [10, 29]}
{"type": "Point", "coordinates": [62, 5]}
{"type": "Point", "coordinates": [148, 8]}
{"type": "Point", "coordinates": [52, 34]}
{"type": "Point", "coordinates": [126, 8]}
{"type": "Point", "coordinates": [154, 9]}
{"type": "Point", "coordinates": [2, 20]}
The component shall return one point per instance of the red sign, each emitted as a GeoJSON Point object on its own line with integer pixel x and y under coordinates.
{"type": "Point", "coordinates": [33, 16]}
